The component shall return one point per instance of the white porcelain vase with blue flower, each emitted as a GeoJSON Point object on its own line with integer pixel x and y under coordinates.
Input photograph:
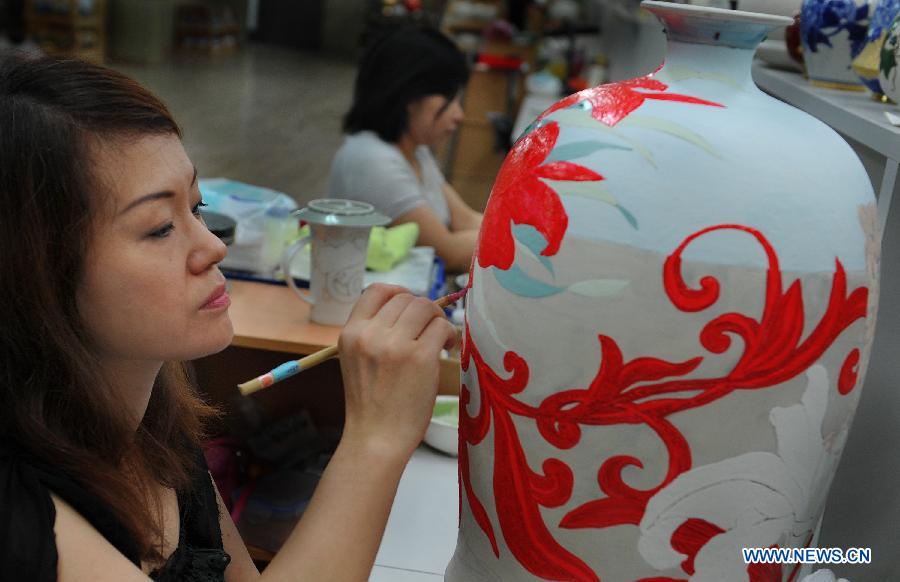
{"type": "Point", "coordinates": [867, 63]}
{"type": "Point", "coordinates": [833, 33]}
{"type": "Point", "coordinates": [887, 66]}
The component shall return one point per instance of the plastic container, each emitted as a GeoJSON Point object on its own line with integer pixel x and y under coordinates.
{"type": "Point", "coordinates": [279, 227]}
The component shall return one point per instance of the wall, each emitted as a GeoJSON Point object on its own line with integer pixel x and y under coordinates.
{"type": "Point", "coordinates": [342, 26]}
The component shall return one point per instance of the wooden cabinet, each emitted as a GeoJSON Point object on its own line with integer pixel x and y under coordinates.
{"type": "Point", "coordinates": [68, 27]}
{"type": "Point", "coordinates": [206, 29]}
{"type": "Point", "coordinates": [480, 146]}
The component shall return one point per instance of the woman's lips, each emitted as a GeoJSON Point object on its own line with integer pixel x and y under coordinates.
{"type": "Point", "coordinates": [218, 299]}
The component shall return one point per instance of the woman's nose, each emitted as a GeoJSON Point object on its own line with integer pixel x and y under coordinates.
{"type": "Point", "coordinates": [209, 250]}
{"type": "Point", "coordinates": [457, 111]}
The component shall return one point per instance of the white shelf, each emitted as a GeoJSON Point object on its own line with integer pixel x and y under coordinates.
{"type": "Point", "coordinates": [851, 113]}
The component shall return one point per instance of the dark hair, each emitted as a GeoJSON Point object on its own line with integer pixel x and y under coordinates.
{"type": "Point", "coordinates": [399, 68]}
{"type": "Point", "coordinates": [54, 403]}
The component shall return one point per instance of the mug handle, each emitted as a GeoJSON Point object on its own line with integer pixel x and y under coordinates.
{"type": "Point", "coordinates": [286, 259]}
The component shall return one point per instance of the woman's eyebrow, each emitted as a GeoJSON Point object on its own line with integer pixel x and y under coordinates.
{"type": "Point", "coordinates": [156, 195]}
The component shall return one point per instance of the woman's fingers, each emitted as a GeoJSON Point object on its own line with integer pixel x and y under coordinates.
{"type": "Point", "coordinates": [388, 315]}
{"type": "Point", "coordinates": [416, 317]}
{"type": "Point", "coordinates": [374, 297]}
{"type": "Point", "coordinates": [439, 333]}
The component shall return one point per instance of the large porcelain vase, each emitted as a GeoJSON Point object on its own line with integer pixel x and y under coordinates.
{"type": "Point", "coordinates": [669, 317]}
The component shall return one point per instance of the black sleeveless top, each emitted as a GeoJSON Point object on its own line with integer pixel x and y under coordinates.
{"type": "Point", "coordinates": [27, 516]}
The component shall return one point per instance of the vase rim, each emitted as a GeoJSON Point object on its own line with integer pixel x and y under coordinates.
{"type": "Point", "coordinates": [712, 13]}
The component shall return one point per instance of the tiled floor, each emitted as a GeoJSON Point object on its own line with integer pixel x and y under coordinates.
{"type": "Point", "coordinates": [267, 116]}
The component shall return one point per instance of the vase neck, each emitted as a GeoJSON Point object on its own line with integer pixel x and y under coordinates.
{"type": "Point", "coordinates": [712, 61]}
{"type": "Point", "coordinates": [714, 26]}
{"type": "Point", "coordinates": [713, 39]}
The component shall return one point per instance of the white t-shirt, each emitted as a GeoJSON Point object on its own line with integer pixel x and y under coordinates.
{"type": "Point", "coordinates": [369, 169]}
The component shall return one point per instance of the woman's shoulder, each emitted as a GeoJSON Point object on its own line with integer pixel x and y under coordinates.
{"type": "Point", "coordinates": [27, 516]}
{"type": "Point", "coordinates": [367, 149]}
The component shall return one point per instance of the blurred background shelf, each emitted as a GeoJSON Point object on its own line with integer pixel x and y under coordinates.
{"type": "Point", "coordinates": [74, 28]}
{"type": "Point", "coordinates": [206, 29]}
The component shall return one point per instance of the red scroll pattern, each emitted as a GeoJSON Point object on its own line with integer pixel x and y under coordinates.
{"type": "Point", "coordinates": [645, 391]}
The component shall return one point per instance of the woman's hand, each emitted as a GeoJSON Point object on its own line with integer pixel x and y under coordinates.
{"type": "Point", "coordinates": [389, 350]}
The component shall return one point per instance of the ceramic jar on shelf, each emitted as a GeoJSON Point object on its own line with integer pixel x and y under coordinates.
{"type": "Point", "coordinates": [867, 64]}
{"type": "Point", "coordinates": [887, 66]}
{"type": "Point", "coordinates": [667, 325]}
{"type": "Point", "coordinates": [833, 33]}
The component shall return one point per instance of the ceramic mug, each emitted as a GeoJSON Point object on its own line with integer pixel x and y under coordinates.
{"type": "Point", "coordinates": [340, 240]}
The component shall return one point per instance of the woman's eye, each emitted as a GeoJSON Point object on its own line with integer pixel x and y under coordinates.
{"type": "Point", "coordinates": [196, 209]}
{"type": "Point", "coordinates": [163, 231]}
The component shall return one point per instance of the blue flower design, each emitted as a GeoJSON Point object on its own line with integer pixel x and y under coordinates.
{"type": "Point", "coordinates": [822, 19]}
{"type": "Point", "coordinates": [882, 17]}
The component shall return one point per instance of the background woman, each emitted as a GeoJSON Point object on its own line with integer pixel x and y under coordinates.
{"type": "Point", "coordinates": [405, 104]}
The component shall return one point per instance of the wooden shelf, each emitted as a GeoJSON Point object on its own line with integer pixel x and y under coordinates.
{"type": "Point", "coordinates": [67, 20]}
{"type": "Point", "coordinates": [69, 33]}
{"type": "Point", "coordinates": [206, 30]}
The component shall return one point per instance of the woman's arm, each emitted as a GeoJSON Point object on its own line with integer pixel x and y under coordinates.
{"type": "Point", "coordinates": [454, 247]}
{"type": "Point", "coordinates": [462, 216]}
{"type": "Point", "coordinates": [340, 532]}
{"type": "Point", "coordinates": [84, 554]}
{"type": "Point", "coordinates": [241, 568]}
{"type": "Point", "coordinates": [390, 350]}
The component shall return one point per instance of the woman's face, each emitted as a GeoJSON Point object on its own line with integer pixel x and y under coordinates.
{"type": "Point", "coordinates": [433, 119]}
{"type": "Point", "coordinates": [151, 289]}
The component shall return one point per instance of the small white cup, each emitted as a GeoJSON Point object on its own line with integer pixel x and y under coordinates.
{"type": "Point", "coordinates": [340, 241]}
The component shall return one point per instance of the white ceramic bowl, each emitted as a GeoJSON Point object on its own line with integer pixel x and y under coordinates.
{"type": "Point", "coordinates": [443, 433]}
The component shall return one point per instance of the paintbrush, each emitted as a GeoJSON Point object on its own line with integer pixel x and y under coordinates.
{"type": "Point", "coordinates": [293, 367]}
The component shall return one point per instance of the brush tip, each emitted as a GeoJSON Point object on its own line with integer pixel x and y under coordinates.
{"type": "Point", "coordinates": [454, 297]}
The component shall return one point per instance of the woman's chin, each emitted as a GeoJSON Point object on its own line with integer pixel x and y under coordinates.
{"type": "Point", "coordinates": [214, 341]}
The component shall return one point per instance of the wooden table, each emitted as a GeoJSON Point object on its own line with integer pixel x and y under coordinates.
{"type": "Point", "coordinates": [272, 318]}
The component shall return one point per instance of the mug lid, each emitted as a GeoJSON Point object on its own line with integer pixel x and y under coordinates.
{"type": "Point", "coordinates": [340, 212]}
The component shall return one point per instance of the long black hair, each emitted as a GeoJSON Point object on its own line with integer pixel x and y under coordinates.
{"type": "Point", "coordinates": [55, 404]}
{"type": "Point", "coordinates": [399, 68]}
